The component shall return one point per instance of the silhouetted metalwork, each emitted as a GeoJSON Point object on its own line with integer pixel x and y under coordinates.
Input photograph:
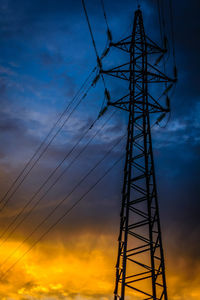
{"type": "Point", "coordinates": [140, 263]}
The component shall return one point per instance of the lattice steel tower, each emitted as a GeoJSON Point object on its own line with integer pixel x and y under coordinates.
{"type": "Point", "coordinates": [140, 268]}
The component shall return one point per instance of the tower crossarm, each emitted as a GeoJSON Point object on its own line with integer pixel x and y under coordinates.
{"type": "Point", "coordinates": [153, 74]}
{"type": "Point", "coordinates": [151, 46]}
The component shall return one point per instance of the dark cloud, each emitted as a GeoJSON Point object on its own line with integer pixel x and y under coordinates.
{"type": "Point", "coordinates": [46, 49]}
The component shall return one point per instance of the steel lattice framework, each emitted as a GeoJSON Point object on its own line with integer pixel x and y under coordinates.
{"type": "Point", "coordinates": [140, 263]}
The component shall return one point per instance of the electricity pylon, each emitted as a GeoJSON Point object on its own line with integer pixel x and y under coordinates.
{"type": "Point", "coordinates": [140, 264]}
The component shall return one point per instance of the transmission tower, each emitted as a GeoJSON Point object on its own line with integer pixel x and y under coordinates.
{"type": "Point", "coordinates": [140, 268]}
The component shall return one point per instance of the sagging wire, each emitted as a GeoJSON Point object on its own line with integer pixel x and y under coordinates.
{"type": "Point", "coordinates": [172, 87]}
{"type": "Point", "coordinates": [104, 54]}
{"type": "Point", "coordinates": [166, 46]}
{"type": "Point", "coordinates": [58, 166]}
{"type": "Point", "coordinates": [61, 202]}
{"type": "Point", "coordinates": [109, 34]}
{"type": "Point", "coordinates": [44, 144]}
{"type": "Point", "coordinates": [22, 212]}
{"type": "Point", "coordinates": [91, 34]}
{"type": "Point", "coordinates": [174, 62]}
{"type": "Point", "coordinates": [173, 38]}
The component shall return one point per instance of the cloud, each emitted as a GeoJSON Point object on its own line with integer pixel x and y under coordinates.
{"type": "Point", "coordinates": [45, 51]}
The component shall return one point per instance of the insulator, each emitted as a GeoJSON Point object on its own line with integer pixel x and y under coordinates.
{"type": "Point", "coordinates": [109, 34]}
{"type": "Point", "coordinates": [95, 80]}
{"type": "Point", "coordinates": [99, 63]}
{"type": "Point", "coordinates": [102, 112]}
{"type": "Point", "coordinates": [91, 126]}
{"type": "Point", "coordinates": [175, 72]}
{"type": "Point", "coordinates": [159, 59]}
{"type": "Point", "coordinates": [160, 118]}
{"type": "Point", "coordinates": [168, 89]}
{"type": "Point", "coordinates": [84, 95]}
{"type": "Point", "coordinates": [165, 42]}
{"type": "Point", "coordinates": [107, 95]}
{"type": "Point", "coordinates": [168, 103]}
{"type": "Point", "coordinates": [105, 52]}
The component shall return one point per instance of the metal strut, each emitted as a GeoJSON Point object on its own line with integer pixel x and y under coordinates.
{"type": "Point", "coordinates": [140, 268]}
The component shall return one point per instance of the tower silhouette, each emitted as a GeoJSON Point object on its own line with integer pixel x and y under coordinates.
{"type": "Point", "coordinates": [140, 267]}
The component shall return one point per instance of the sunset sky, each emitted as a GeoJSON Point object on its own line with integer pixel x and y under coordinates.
{"type": "Point", "coordinates": [46, 53]}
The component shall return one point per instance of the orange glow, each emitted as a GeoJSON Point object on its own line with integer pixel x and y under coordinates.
{"type": "Point", "coordinates": [80, 270]}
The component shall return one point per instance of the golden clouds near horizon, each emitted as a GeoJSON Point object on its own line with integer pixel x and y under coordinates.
{"type": "Point", "coordinates": [83, 269]}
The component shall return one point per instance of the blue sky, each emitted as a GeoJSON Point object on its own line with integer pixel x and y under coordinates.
{"type": "Point", "coordinates": [45, 54]}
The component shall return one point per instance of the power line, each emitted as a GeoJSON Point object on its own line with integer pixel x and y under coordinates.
{"type": "Point", "coordinates": [44, 183]}
{"type": "Point", "coordinates": [105, 15]}
{"type": "Point", "coordinates": [160, 22]}
{"type": "Point", "coordinates": [166, 45]}
{"type": "Point", "coordinates": [62, 217]}
{"type": "Point", "coordinates": [105, 52]}
{"type": "Point", "coordinates": [46, 138]}
{"type": "Point", "coordinates": [172, 32]}
{"type": "Point", "coordinates": [94, 44]}
{"type": "Point", "coordinates": [90, 29]}
{"type": "Point", "coordinates": [109, 34]}
{"type": "Point", "coordinates": [54, 183]}
{"type": "Point", "coordinates": [45, 149]}
{"type": "Point", "coordinates": [56, 123]}
{"type": "Point", "coordinates": [65, 198]}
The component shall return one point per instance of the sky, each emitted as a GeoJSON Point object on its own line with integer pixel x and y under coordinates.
{"type": "Point", "coordinates": [46, 53]}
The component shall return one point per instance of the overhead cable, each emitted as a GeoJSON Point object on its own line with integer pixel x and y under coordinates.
{"type": "Point", "coordinates": [91, 34]}
{"type": "Point", "coordinates": [160, 22]}
{"type": "Point", "coordinates": [65, 198]}
{"type": "Point", "coordinates": [41, 145]}
{"type": "Point", "coordinates": [61, 218]}
{"type": "Point", "coordinates": [173, 36]}
{"type": "Point", "coordinates": [106, 20]}
{"type": "Point", "coordinates": [53, 184]}
{"type": "Point", "coordinates": [105, 52]}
